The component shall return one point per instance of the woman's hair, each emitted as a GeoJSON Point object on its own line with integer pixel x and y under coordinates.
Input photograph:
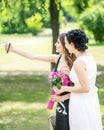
{"type": "Point", "coordinates": [79, 38]}
{"type": "Point", "coordinates": [68, 57]}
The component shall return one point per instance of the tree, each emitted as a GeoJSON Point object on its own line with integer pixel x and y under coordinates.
{"type": "Point", "coordinates": [40, 6]}
{"type": "Point", "coordinates": [93, 20]}
{"type": "Point", "coordinates": [54, 13]}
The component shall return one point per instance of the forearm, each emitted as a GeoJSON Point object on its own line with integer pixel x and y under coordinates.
{"type": "Point", "coordinates": [77, 89]}
{"type": "Point", "coordinates": [58, 98]}
{"type": "Point", "coordinates": [22, 53]}
{"type": "Point", "coordinates": [46, 58]}
{"type": "Point", "coordinates": [65, 97]}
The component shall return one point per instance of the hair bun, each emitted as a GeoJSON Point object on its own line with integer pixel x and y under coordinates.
{"type": "Point", "coordinates": [79, 38]}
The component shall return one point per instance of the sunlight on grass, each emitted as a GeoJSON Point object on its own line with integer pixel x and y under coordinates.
{"type": "Point", "coordinates": [23, 116]}
{"type": "Point", "coordinates": [97, 52]}
{"type": "Point", "coordinates": [6, 106]}
{"type": "Point", "coordinates": [13, 62]}
{"type": "Point", "coordinates": [102, 111]}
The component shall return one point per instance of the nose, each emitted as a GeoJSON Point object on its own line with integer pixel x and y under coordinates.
{"type": "Point", "coordinates": [56, 44]}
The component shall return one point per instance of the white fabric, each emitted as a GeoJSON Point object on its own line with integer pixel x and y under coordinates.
{"type": "Point", "coordinates": [84, 108]}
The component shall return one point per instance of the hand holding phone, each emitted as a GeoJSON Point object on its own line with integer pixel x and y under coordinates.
{"type": "Point", "coordinates": [8, 48]}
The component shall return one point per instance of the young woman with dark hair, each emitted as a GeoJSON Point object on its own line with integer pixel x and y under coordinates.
{"type": "Point", "coordinates": [84, 112]}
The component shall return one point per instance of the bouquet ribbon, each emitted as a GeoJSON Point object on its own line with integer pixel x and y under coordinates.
{"type": "Point", "coordinates": [51, 102]}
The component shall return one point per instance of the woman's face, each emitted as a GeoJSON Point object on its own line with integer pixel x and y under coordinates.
{"type": "Point", "coordinates": [59, 47]}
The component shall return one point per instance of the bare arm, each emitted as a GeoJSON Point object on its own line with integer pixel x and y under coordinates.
{"type": "Point", "coordinates": [57, 98]}
{"type": "Point", "coordinates": [47, 58]}
{"type": "Point", "coordinates": [81, 73]}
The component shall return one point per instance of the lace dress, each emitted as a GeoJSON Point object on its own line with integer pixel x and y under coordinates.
{"type": "Point", "coordinates": [84, 112]}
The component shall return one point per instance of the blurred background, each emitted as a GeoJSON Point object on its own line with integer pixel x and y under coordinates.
{"type": "Point", "coordinates": [34, 26]}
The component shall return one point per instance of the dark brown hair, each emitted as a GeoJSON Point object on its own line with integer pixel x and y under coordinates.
{"type": "Point", "coordinates": [68, 57]}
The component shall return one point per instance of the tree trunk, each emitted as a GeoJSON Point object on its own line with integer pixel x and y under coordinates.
{"type": "Point", "coordinates": [54, 15]}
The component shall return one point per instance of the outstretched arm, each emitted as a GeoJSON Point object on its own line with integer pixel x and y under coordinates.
{"type": "Point", "coordinates": [47, 58]}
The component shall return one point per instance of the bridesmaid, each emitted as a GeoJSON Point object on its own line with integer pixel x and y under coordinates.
{"type": "Point", "coordinates": [64, 62]}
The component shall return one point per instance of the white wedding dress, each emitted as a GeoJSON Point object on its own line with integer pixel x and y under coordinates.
{"type": "Point", "coordinates": [84, 108]}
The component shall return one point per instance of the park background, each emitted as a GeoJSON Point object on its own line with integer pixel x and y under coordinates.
{"type": "Point", "coordinates": [32, 26]}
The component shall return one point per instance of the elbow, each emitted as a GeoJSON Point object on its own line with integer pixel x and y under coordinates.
{"type": "Point", "coordinates": [86, 90]}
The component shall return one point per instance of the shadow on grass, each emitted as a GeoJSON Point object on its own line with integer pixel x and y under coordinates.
{"type": "Point", "coordinates": [24, 98]}
{"type": "Point", "coordinates": [100, 68]}
{"type": "Point", "coordinates": [23, 102]}
{"type": "Point", "coordinates": [26, 88]}
{"type": "Point", "coordinates": [28, 119]}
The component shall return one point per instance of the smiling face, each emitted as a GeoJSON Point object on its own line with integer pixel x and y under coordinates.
{"type": "Point", "coordinates": [59, 47]}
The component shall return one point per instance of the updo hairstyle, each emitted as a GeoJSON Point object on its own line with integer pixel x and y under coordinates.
{"type": "Point", "coordinates": [79, 38]}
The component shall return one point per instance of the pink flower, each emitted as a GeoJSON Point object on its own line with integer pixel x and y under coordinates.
{"type": "Point", "coordinates": [57, 79]}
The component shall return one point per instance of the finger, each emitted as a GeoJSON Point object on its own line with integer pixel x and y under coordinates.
{"type": "Point", "coordinates": [58, 92]}
{"type": "Point", "coordinates": [8, 47]}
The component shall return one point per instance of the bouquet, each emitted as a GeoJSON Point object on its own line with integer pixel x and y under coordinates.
{"type": "Point", "coordinates": [57, 79]}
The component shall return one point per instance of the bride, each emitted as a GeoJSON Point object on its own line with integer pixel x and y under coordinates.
{"type": "Point", "coordinates": [84, 112]}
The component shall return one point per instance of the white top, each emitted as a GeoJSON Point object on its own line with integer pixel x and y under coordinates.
{"type": "Point", "coordinates": [84, 108]}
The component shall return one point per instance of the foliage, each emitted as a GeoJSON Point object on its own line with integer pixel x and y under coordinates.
{"type": "Point", "coordinates": [34, 23]}
{"type": "Point", "coordinates": [15, 17]}
{"type": "Point", "coordinates": [93, 20]}
{"type": "Point", "coordinates": [14, 20]}
{"type": "Point", "coordinates": [81, 5]}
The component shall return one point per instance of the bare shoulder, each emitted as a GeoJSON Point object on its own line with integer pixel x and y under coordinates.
{"type": "Point", "coordinates": [79, 65]}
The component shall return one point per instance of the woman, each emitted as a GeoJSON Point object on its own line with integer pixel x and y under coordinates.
{"type": "Point", "coordinates": [84, 112]}
{"type": "Point", "coordinates": [64, 63]}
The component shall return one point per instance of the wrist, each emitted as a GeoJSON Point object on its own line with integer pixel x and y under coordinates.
{"type": "Point", "coordinates": [13, 50]}
{"type": "Point", "coordinates": [64, 88]}
{"type": "Point", "coordinates": [63, 99]}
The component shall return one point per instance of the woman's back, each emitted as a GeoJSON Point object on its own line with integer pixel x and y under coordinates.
{"type": "Point", "coordinates": [91, 70]}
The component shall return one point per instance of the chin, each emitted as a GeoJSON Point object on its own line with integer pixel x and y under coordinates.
{"type": "Point", "coordinates": [57, 51]}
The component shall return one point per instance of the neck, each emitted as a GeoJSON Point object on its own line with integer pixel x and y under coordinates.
{"type": "Point", "coordinates": [78, 53]}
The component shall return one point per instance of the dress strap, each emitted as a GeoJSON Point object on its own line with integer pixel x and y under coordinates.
{"type": "Point", "coordinates": [57, 63]}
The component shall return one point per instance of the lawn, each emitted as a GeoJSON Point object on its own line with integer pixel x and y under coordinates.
{"type": "Point", "coordinates": [24, 97]}
{"type": "Point", "coordinates": [23, 102]}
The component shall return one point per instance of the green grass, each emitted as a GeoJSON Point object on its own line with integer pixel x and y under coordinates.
{"type": "Point", "coordinates": [18, 88]}
{"type": "Point", "coordinates": [23, 102]}
{"type": "Point", "coordinates": [97, 52]}
{"type": "Point", "coordinates": [23, 98]}
{"type": "Point", "coordinates": [100, 85]}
